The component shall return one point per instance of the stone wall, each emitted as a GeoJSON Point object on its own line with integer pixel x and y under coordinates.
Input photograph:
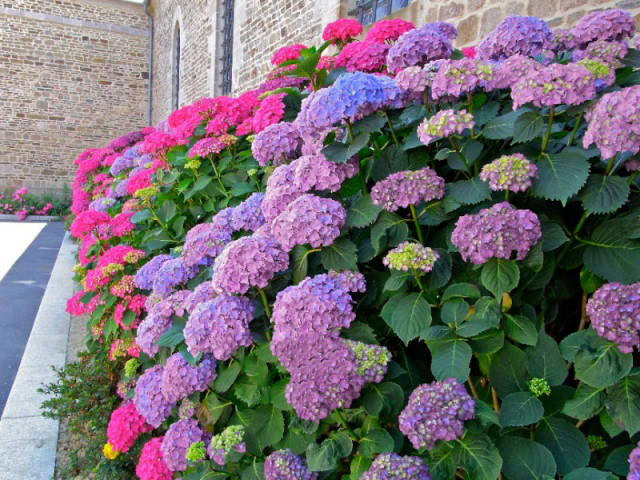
{"type": "Point", "coordinates": [74, 76]}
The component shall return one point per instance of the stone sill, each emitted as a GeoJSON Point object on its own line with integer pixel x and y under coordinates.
{"type": "Point", "coordinates": [30, 218]}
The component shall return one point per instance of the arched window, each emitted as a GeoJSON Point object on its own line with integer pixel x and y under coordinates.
{"type": "Point", "coordinates": [175, 80]}
{"type": "Point", "coordinates": [226, 58]}
{"type": "Point", "coordinates": [370, 11]}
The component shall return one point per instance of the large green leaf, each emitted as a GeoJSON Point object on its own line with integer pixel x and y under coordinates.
{"type": "Point", "coordinates": [618, 460]}
{"type": "Point", "coordinates": [389, 226]}
{"type": "Point", "coordinates": [326, 455]}
{"type": "Point", "coordinates": [469, 192]}
{"type": "Point", "coordinates": [273, 428]}
{"type": "Point", "coordinates": [340, 255]}
{"type": "Point", "coordinates": [407, 315]}
{"type": "Point", "coordinates": [561, 175]}
{"type": "Point", "coordinates": [519, 409]}
{"type": "Point", "coordinates": [172, 337]}
{"type": "Point", "coordinates": [567, 444]}
{"type": "Point", "coordinates": [499, 276]}
{"type": "Point", "coordinates": [604, 194]}
{"type": "Point", "coordinates": [613, 253]}
{"type": "Point", "coordinates": [377, 440]}
{"type": "Point", "coordinates": [586, 402]}
{"type": "Point", "coordinates": [450, 358]}
{"type": "Point", "coordinates": [508, 372]}
{"type": "Point", "coordinates": [528, 126]}
{"type": "Point", "coordinates": [521, 329]}
{"type": "Point", "coordinates": [486, 315]}
{"type": "Point", "coordinates": [525, 459]}
{"type": "Point", "coordinates": [362, 213]}
{"type": "Point", "coordinates": [501, 127]}
{"type": "Point", "coordinates": [599, 363]}
{"type": "Point", "coordinates": [588, 473]}
{"type": "Point", "coordinates": [478, 456]}
{"type": "Point", "coordinates": [545, 361]}
{"type": "Point", "coordinates": [393, 159]}
{"type": "Point", "coordinates": [454, 312]}
{"type": "Point", "coordinates": [623, 403]}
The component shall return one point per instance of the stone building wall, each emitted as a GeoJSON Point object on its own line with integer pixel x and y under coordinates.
{"type": "Point", "coordinates": [73, 76]}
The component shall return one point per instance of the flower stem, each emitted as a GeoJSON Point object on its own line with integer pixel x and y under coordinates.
{"type": "Point", "coordinates": [215, 171]}
{"type": "Point", "coordinates": [346, 426]}
{"type": "Point", "coordinates": [263, 296]}
{"type": "Point", "coordinates": [414, 215]}
{"type": "Point", "coordinates": [456, 147]}
{"type": "Point", "coordinates": [494, 397]}
{"type": "Point", "coordinates": [393, 134]}
{"type": "Point", "coordinates": [474, 392]}
{"type": "Point", "coordinates": [162, 224]}
{"type": "Point", "coordinates": [417, 277]}
{"type": "Point", "coordinates": [349, 131]}
{"type": "Point", "coordinates": [575, 129]}
{"type": "Point", "coordinates": [583, 313]}
{"type": "Point", "coordinates": [506, 195]}
{"type": "Point", "coordinates": [545, 142]}
{"type": "Point", "coordinates": [609, 166]}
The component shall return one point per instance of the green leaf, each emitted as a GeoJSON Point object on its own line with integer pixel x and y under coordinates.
{"type": "Point", "coordinates": [396, 281]}
{"type": "Point", "coordinates": [508, 371]}
{"type": "Point", "coordinates": [477, 455]}
{"type": "Point", "coordinates": [368, 124]}
{"type": "Point", "coordinates": [377, 440]}
{"type": "Point", "coordinates": [326, 455]}
{"type": "Point", "coordinates": [454, 312]}
{"type": "Point", "coordinates": [215, 407]}
{"type": "Point", "coordinates": [553, 236]}
{"type": "Point", "coordinates": [545, 361]}
{"type": "Point", "coordinates": [501, 127]}
{"type": "Point", "coordinates": [384, 399]}
{"type": "Point", "coordinates": [359, 465]}
{"type": "Point", "coordinates": [200, 184]}
{"type": "Point", "coordinates": [604, 194]}
{"type": "Point", "coordinates": [623, 403]}
{"type": "Point", "coordinates": [362, 213]}
{"type": "Point", "coordinates": [567, 444]}
{"type": "Point", "coordinates": [609, 425]}
{"type": "Point", "coordinates": [561, 175]}
{"type": "Point", "coordinates": [226, 376]}
{"type": "Point", "coordinates": [520, 329]}
{"type": "Point", "coordinates": [599, 363]}
{"type": "Point", "coordinates": [450, 358]}
{"type": "Point", "coordinates": [336, 152]}
{"type": "Point", "coordinates": [341, 255]}
{"type": "Point", "coordinates": [469, 192]}
{"type": "Point", "coordinates": [618, 460]}
{"type": "Point", "coordinates": [612, 253]}
{"type": "Point", "coordinates": [572, 343]}
{"type": "Point", "coordinates": [273, 429]}
{"type": "Point", "coordinates": [525, 459]}
{"type": "Point", "coordinates": [460, 290]}
{"type": "Point", "coordinates": [487, 342]}
{"type": "Point", "coordinates": [172, 337]}
{"type": "Point", "coordinates": [407, 315]}
{"type": "Point", "coordinates": [87, 297]}
{"type": "Point", "coordinates": [141, 216]}
{"type": "Point", "coordinates": [486, 315]}
{"type": "Point", "coordinates": [255, 471]}
{"type": "Point", "coordinates": [359, 142]}
{"type": "Point", "coordinates": [393, 159]}
{"type": "Point", "coordinates": [389, 226]}
{"type": "Point", "coordinates": [528, 126]}
{"type": "Point", "coordinates": [499, 276]}
{"type": "Point", "coordinates": [488, 111]}
{"type": "Point", "coordinates": [300, 263]}
{"type": "Point", "coordinates": [586, 402]}
{"type": "Point", "coordinates": [519, 409]}
{"type": "Point", "coordinates": [587, 473]}
{"type": "Point", "coordinates": [441, 273]}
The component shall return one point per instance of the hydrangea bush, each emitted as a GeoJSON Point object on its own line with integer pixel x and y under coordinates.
{"type": "Point", "coordinates": [397, 262]}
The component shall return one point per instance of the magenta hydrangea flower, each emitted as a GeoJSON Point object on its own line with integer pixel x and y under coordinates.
{"type": "Point", "coordinates": [634, 464]}
{"type": "Point", "coordinates": [509, 172]}
{"type": "Point", "coordinates": [388, 30]}
{"type": "Point", "coordinates": [248, 262]}
{"type": "Point", "coordinates": [420, 46]}
{"type": "Point", "coordinates": [362, 56]}
{"type": "Point", "coordinates": [496, 232]}
{"type": "Point", "coordinates": [443, 124]}
{"type": "Point", "coordinates": [248, 215]}
{"type": "Point", "coordinates": [172, 273]}
{"type": "Point", "coordinates": [556, 84]}
{"type": "Point", "coordinates": [401, 189]}
{"type": "Point", "coordinates": [149, 399]}
{"type": "Point", "coordinates": [371, 360]}
{"type": "Point", "coordinates": [411, 256]}
{"type": "Point", "coordinates": [614, 122]}
{"type": "Point", "coordinates": [125, 426]}
{"type": "Point", "coordinates": [391, 466]}
{"type": "Point", "coordinates": [456, 77]}
{"type": "Point", "coordinates": [285, 465]}
{"type": "Point", "coordinates": [516, 35]}
{"type": "Point", "coordinates": [309, 220]}
{"type": "Point", "coordinates": [202, 293]}
{"type": "Point", "coordinates": [512, 70]}
{"type": "Point", "coordinates": [614, 310]}
{"type": "Point", "coordinates": [207, 146]}
{"type": "Point", "coordinates": [180, 379]}
{"type": "Point", "coordinates": [151, 465]}
{"type": "Point", "coordinates": [288, 52]}
{"type": "Point", "coordinates": [278, 143]}
{"type": "Point", "coordinates": [412, 79]}
{"type": "Point", "coordinates": [206, 240]}
{"type": "Point", "coordinates": [609, 25]}
{"type": "Point", "coordinates": [176, 442]}
{"type": "Point", "coordinates": [219, 326]}
{"type": "Point", "coordinates": [342, 30]}
{"type": "Point", "coordinates": [436, 411]}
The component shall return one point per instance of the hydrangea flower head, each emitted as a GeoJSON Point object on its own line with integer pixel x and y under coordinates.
{"type": "Point", "coordinates": [411, 256]}
{"type": "Point", "coordinates": [539, 387]}
{"type": "Point", "coordinates": [149, 332]}
{"type": "Point", "coordinates": [148, 398]}
{"type": "Point", "coordinates": [528, 36]}
{"type": "Point", "coordinates": [286, 465]}
{"type": "Point", "coordinates": [151, 465]}
{"type": "Point", "coordinates": [207, 146]}
{"type": "Point", "coordinates": [419, 47]}
{"type": "Point", "coordinates": [436, 411]}
{"type": "Point", "coordinates": [278, 143]}
{"type": "Point", "coordinates": [401, 189]}
{"type": "Point", "coordinates": [388, 30]}
{"type": "Point", "coordinates": [443, 124]}
{"type": "Point", "coordinates": [176, 443]}
{"type": "Point", "coordinates": [289, 52]}
{"type": "Point", "coordinates": [509, 172]}
{"type": "Point", "coordinates": [609, 25]}
{"type": "Point", "coordinates": [412, 79]}
{"type": "Point", "coordinates": [634, 464]}
{"type": "Point", "coordinates": [205, 241]}
{"type": "Point", "coordinates": [342, 30]}
{"type": "Point", "coordinates": [196, 452]}
{"type": "Point", "coordinates": [271, 111]}
{"type": "Point", "coordinates": [496, 232]}
{"type": "Point", "coordinates": [225, 443]}
{"type": "Point", "coordinates": [180, 379]}
{"type": "Point", "coordinates": [315, 172]}
{"type": "Point", "coordinates": [371, 360]}
{"type": "Point", "coordinates": [391, 466]}
{"type": "Point", "coordinates": [614, 310]}
{"type": "Point", "coordinates": [202, 293]}
{"type": "Point", "coordinates": [456, 77]}
{"type": "Point", "coordinates": [172, 273]}
{"type": "Point", "coordinates": [362, 56]}
{"type": "Point", "coordinates": [610, 53]}
{"type": "Point", "coordinates": [125, 426]}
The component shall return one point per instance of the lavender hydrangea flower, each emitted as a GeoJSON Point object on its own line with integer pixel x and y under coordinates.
{"type": "Point", "coordinates": [609, 25]}
{"type": "Point", "coordinates": [248, 215]}
{"type": "Point", "coordinates": [226, 443]}
{"type": "Point", "coordinates": [206, 240]}
{"type": "Point", "coordinates": [391, 466]}
{"type": "Point", "coordinates": [529, 36]}
{"type": "Point", "coordinates": [411, 256]}
{"type": "Point", "coordinates": [316, 172]}
{"type": "Point", "coordinates": [281, 191]}
{"type": "Point", "coordinates": [171, 305]}
{"type": "Point", "coordinates": [634, 464]}
{"type": "Point", "coordinates": [436, 411]}
{"type": "Point", "coordinates": [177, 441]}
{"type": "Point", "coordinates": [496, 232]}
{"type": "Point", "coordinates": [149, 332]}
{"type": "Point", "coordinates": [509, 172]}
{"type": "Point", "coordinates": [148, 397]}
{"type": "Point", "coordinates": [456, 77]}
{"type": "Point", "coordinates": [420, 46]}
{"type": "Point", "coordinates": [102, 204]}
{"type": "Point", "coordinates": [610, 53]}
{"type": "Point", "coordinates": [180, 379]}
{"type": "Point", "coordinates": [556, 84]}
{"type": "Point", "coordinates": [371, 360]}
{"type": "Point", "coordinates": [172, 273]}
{"type": "Point", "coordinates": [248, 262]}
{"type": "Point", "coordinates": [219, 326]}
{"type": "Point", "coordinates": [309, 220]}
{"type": "Point", "coordinates": [614, 122]}
{"type": "Point", "coordinates": [278, 143]}
{"type": "Point", "coordinates": [202, 293]}
{"type": "Point", "coordinates": [401, 189]}
{"type": "Point", "coordinates": [285, 465]}
{"type": "Point", "coordinates": [121, 188]}
{"type": "Point", "coordinates": [443, 124]}
{"type": "Point", "coordinates": [614, 310]}
{"type": "Point", "coordinates": [512, 70]}
{"type": "Point", "coordinates": [412, 79]}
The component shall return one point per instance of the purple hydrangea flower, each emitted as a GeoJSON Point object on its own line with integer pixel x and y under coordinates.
{"type": "Point", "coordinates": [509, 172]}
{"type": "Point", "coordinates": [206, 240]}
{"type": "Point", "coordinates": [102, 204]}
{"type": "Point", "coordinates": [145, 275]}
{"type": "Point", "coordinates": [149, 331]}
{"type": "Point", "coordinates": [278, 143]}
{"type": "Point", "coordinates": [123, 162]}
{"type": "Point", "coordinates": [209, 145]}
{"type": "Point", "coordinates": [529, 36]}
{"type": "Point", "coordinates": [443, 124]}
{"type": "Point", "coordinates": [225, 443]}
{"type": "Point", "coordinates": [634, 464]}
{"type": "Point", "coordinates": [496, 232]}
{"type": "Point", "coordinates": [248, 262]}
{"type": "Point", "coordinates": [219, 326]}
{"type": "Point", "coordinates": [168, 306]}
{"type": "Point", "coordinates": [563, 40]}
{"type": "Point", "coordinates": [172, 273]}
{"type": "Point", "coordinates": [457, 77]}
{"type": "Point", "coordinates": [614, 310]}
{"type": "Point", "coordinates": [180, 379]}
{"type": "Point", "coordinates": [556, 84]}
{"type": "Point", "coordinates": [609, 53]}
{"type": "Point", "coordinates": [371, 360]}
{"type": "Point", "coordinates": [391, 466]}
{"type": "Point", "coordinates": [281, 191]}
{"type": "Point", "coordinates": [121, 188]}
{"type": "Point", "coordinates": [614, 122]}
{"type": "Point", "coordinates": [401, 189]}
{"type": "Point", "coordinates": [202, 293]}
{"type": "Point", "coordinates": [316, 172]}
{"type": "Point", "coordinates": [248, 215]}
{"type": "Point", "coordinates": [309, 220]}
{"type": "Point", "coordinates": [609, 25]}
{"type": "Point", "coordinates": [148, 397]}
{"type": "Point", "coordinates": [421, 46]}
{"type": "Point", "coordinates": [411, 256]}
{"type": "Point", "coordinates": [285, 465]}
{"type": "Point", "coordinates": [512, 70]}
{"type": "Point", "coordinates": [176, 442]}
{"type": "Point", "coordinates": [436, 411]}
{"type": "Point", "coordinates": [412, 79]}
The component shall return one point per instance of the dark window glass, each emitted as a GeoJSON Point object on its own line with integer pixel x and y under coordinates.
{"type": "Point", "coordinates": [175, 101]}
{"type": "Point", "coordinates": [370, 11]}
{"type": "Point", "coordinates": [227, 46]}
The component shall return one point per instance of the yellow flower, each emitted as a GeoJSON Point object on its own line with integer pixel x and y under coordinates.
{"type": "Point", "coordinates": [110, 452]}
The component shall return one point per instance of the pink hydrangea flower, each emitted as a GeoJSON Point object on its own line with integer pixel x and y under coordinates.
{"type": "Point", "coordinates": [342, 30]}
